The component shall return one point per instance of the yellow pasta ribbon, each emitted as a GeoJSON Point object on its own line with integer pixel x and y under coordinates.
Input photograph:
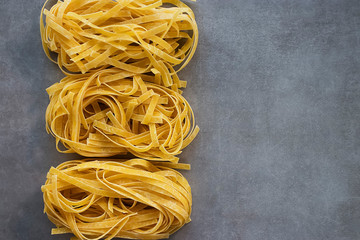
{"type": "Point", "coordinates": [110, 112]}
{"type": "Point", "coordinates": [137, 36]}
{"type": "Point", "coordinates": [106, 198]}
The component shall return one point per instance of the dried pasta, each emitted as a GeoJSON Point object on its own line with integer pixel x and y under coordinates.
{"type": "Point", "coordinates": [109, 113]}
{"type": "Point", "coordinates": [138, 36]}
{"type": "Point", "coordinates": [106, 199]}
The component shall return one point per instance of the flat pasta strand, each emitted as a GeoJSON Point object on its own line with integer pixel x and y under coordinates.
{"type": "Point", "coordinates": [107, 198]}
{"type": "Point", "coordinates": [137, 36]}
{"type": "Point", "coordinates": [109, 113]}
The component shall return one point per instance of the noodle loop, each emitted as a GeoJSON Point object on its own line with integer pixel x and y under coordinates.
{"type": "Point", "coordinates": [105, 199]}
{"type": "Point", "coordinates": [138, 36]}
{"type": "Point", "coordinates": [109, 113]}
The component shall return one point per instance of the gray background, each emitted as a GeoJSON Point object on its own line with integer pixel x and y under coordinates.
{"type": "Point", "coordinates": [275, 89]}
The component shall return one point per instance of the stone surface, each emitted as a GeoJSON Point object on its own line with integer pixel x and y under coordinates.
{"type": "Point", "coordinates": [275, 89]}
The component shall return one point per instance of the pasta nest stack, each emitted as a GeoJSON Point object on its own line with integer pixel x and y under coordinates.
{"type": "Point", "coordinates": [109, 113]}
{"type": "Point", "coordinates": [105, 199]}
{"type": "Point", "coordinates": [138, 36]}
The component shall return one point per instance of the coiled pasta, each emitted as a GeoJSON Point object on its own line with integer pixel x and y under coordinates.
{"type": "Point", "coordinates": [138, 36]}
{"type": "Point", "coordinates": [109, 113]}
{"type": "Point", "coordinates": [105, 199]}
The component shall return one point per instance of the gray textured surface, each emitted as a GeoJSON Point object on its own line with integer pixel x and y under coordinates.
{"type": "Point", "coordinates": [275, 89]}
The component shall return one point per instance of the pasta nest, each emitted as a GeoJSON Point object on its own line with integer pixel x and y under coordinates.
{"type": "Point", "coordinates": [109, 113]}
{"type": "Point", "coordinates": [105, 199]}
{"type": "Point", "coordinates": [138, 36]}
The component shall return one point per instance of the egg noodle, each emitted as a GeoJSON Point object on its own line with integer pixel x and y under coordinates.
{"type": "Point", "coordinates": [132, 199]}
{"type": "Point", "coordinates": [108, 113]}
{"type": "Point", "coordinates": [137, 36]}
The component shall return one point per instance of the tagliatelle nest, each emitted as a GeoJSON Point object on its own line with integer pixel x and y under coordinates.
{"type": "Point", "coordinates": [138, 36]}
{"type": "Point", "coordinates": [105, 199]}
{"type": "Point", "coordinates": [109, 113]}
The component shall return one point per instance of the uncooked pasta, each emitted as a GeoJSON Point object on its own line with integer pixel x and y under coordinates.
{"type": "Point", "coordinates": [138, 36]}
{"type": "Point", "coordinates": [109, 113]}
{"type": "Point", "coordinates": [106, 199]}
